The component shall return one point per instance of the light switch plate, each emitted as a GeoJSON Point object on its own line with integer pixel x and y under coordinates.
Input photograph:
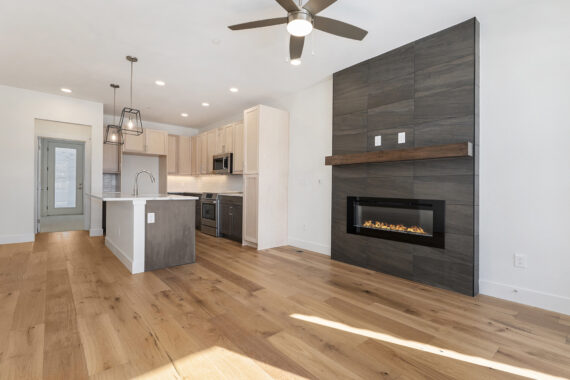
{"type": "Point", "coordinates": [402, 138]}
{"type": "Point", "coordinates": [377, 140]}
{"type": "Point", "coordinates": [150, 217]}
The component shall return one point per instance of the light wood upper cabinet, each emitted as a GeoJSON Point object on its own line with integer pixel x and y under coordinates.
{"type": "Point", "coordinates": [220, 140]}
{"type": "Point", "coordinates": [228, 145]}
{"type": "Point", "coordinates": [184, 155]}
{"type": "Point", "coordinates": [149, 142]}
{"type": "Point", "coordinates": [211, 141]}
{"type": "Point", "coordinates": [156, 142]}
{"type": "Point", "coordinates": [195, 156]}
{"type": "Point", "coordinates": [238, 148]}
{"type": "Point", "coordinates": [251, 141]}
{"type": "Point", "coordinates": [203, 150]}
{"type": "Point", "coordinates": [111, 158]}
{"type": "Point", "coordinates": [135, 144]}
{"type": "Point", "coordinates": [172, 154]}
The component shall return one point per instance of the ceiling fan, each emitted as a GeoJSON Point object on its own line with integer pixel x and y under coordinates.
{"type": "Point", "coordinates": [300, 22]}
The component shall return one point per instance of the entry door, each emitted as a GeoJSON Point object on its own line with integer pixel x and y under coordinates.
{"type": "Point", "coordinates": [63, 174]}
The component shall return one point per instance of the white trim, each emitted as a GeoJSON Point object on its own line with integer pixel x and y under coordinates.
{"type": "Point", "coordinates": [96, 232]}
{"type": "Point", "coordinates": [119, 254]}
{"type": "Point", "coordinates": [548, 301]}
{"type": "Point", "coordinates": [14, 239]}
{"type": "Point", "coordinates": [311, 246]}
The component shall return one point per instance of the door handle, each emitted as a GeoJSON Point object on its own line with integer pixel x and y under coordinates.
{"type": "Point", "coordinates": [80, 186]}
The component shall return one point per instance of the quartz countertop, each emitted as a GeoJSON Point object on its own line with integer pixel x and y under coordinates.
{"type": "Point", "coordinates": [116, 197]}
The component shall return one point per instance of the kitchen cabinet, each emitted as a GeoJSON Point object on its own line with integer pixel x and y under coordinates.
{"type": "Point", "coordinates": [220, 140]}
{"type": "Point", "coordinates": [134, 143]}
{"type": "Point", "coordinates": [251, 140]}
{"type": "Point", "coordinates": [156, 142]}
{"type": "Point", "coordinates": [195, 169]}
{"type": "Point", "coordinates": [250, 202]}
{"type": "Point", "coordinates": [111, 159]}
{"type": "Point", "coordinates": [237, 132]}
{"type": "Point", "coordinates": [211, 148]}
{"type": "Point", "coordinates": [266, 173]}
{"type": "Point", "coordinates": [184, 155]}
{"type": "Point", "coordinates": [203, 149]}
{"type": "Point", "coordinates": [224, 139]}
{"type": "Point", "coordinates": [172, 160]}
{"type": "Point", "coordinates": [151, 141]}
{"type": "Point", "coordinates": [231, 217]}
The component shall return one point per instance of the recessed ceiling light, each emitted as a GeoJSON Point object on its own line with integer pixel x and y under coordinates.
{"type": "Point", "coordinates": [66, 90]}
{"type": "Point", "coordinates": [159, 83]}
{"type": "Point", "coordinates": [205, 104]}
{"type": "Point", "coordinates": [234, 89]}
{"type": "Point", "coordinates": [296, 62]}
{"type": "Point", "coordinates": [184, 114]}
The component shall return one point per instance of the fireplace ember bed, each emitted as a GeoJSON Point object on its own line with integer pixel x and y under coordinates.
{"type": "Point", "coordinates": [415, 221]}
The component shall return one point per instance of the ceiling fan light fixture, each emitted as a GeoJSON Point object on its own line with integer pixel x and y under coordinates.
{"type": "Point", "coordinates": [300, 24]}
{"type": "Point", "coordinates": [296, 61]}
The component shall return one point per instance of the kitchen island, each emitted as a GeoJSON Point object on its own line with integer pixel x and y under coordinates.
{"type": "Point", "coordinates": [149, 232]}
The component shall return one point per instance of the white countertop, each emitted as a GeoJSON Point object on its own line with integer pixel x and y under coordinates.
{"type": "Point", "coordinates": [115, 197]}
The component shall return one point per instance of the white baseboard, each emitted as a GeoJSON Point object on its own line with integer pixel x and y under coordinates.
{"type": "Point", "coordinates": [548, 301]}
{"type": "Point", "coordinates": [119, 254]}
{"type": "Point", "coordinates": [96, 232]}
{"type": "Point", "coordinates": [310, 246]}
{"type": "Point", "coordinates": [14, 239]}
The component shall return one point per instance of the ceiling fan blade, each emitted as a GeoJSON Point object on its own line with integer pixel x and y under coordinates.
{"type": "Point", "coordinates": [260, 23]}
{"type": "Point", "coordinates": [288, 5]}
{"type": "Point", "coordinates": [296, 47]}
{"type": "Point", "coordinates": [339, 28]}
{"type": "Point", "coordinates": [316, 6]}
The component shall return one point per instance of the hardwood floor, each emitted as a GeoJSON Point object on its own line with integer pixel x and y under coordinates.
{"type": "Point", "coordinates": [70, 310]}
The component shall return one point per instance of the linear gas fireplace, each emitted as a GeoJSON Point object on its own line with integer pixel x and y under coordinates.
{"type": "Point", "coordinates": [416, 221]}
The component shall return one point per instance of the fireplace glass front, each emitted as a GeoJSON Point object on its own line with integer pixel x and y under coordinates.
{"type": "Point", "coordinates": [416, 221]}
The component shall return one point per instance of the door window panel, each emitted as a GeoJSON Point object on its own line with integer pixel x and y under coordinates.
{"type": "Point", "coordinates": [65, 177]}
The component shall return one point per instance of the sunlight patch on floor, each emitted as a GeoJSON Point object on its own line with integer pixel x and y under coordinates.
{"type": "Point", "coordinates": [217, 363]}
{"type": "Point", "coordinates": [426, 348]}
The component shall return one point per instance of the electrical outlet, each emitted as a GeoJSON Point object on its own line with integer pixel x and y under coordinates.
{"type": "Point", "coordinates": [150, 217]}
{"type": "Point", "coordinates": [402, 138]}
{"type": "Point", "coordinates": [519, 261]}
{"type": "Point", "coordinates": [377, 140]}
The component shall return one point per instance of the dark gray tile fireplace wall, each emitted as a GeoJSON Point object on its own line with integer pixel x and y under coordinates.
{"type": "Point", "coordinates": [428, 89]}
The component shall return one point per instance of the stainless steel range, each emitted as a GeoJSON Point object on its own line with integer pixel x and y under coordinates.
{"type": "Point", "coordinates": [210, 214]}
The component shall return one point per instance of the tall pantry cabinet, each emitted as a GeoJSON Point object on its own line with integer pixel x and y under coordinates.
{"type": "Point", "coordinates": [266, 173]}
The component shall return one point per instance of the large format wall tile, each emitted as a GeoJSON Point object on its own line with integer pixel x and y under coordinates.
{"type": "Point", "coordinates": [428, 89]}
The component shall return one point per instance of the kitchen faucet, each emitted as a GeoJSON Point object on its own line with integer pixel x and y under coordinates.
{"type": "Point", "coordinates": [136, 187]}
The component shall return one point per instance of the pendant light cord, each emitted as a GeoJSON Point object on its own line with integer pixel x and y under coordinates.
{"type": "Point", "coordinates": [132, 84]}
{"type": "Point", "coordinates": [114, 103]}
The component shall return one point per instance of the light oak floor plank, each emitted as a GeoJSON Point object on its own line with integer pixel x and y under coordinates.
{"type": "Point", "coordinates": [70, 310]}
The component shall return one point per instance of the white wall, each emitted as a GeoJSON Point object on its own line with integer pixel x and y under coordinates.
{"type": "Point", "coordinates": [310, 181]}
{"type": "Point", "coordinates": [525, 159]}
{"type": "Point", "coordinates": [205, 183]}
{"type": "Point", "coordinates": [18, 110]}
{"type": "Point", "coordinates": [172, 129]}
{"type": "Point", "coordinates": [132, 164]}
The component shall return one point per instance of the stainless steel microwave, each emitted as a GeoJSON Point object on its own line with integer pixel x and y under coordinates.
{"type": "Point", "coordinates": [223, 163]}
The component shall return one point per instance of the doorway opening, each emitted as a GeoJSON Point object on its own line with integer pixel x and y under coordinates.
{"type": "Point", "coordinates": [61, 183]}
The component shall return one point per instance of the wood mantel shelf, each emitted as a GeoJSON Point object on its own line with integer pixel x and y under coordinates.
{"type": "Point", "coordinates": [464, 149]}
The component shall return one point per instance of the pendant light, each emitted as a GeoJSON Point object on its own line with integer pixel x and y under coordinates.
{"type": "Point", "coordinates": [131, 122]}
{"type": "Point", "coordinates": [114, 136]}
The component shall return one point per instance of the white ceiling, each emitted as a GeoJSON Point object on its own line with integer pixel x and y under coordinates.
{"type": "Point", "coordinates": [82, 44]}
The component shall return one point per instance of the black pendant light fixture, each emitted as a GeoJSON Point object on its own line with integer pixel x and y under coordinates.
{"type": "Point", "coordinates": [131, 122]}
{"type": "Point", "coordinates": [114, 136]}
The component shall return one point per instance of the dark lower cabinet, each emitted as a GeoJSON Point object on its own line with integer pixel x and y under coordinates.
{"type": "Point", "coordinates": [231, 217]}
